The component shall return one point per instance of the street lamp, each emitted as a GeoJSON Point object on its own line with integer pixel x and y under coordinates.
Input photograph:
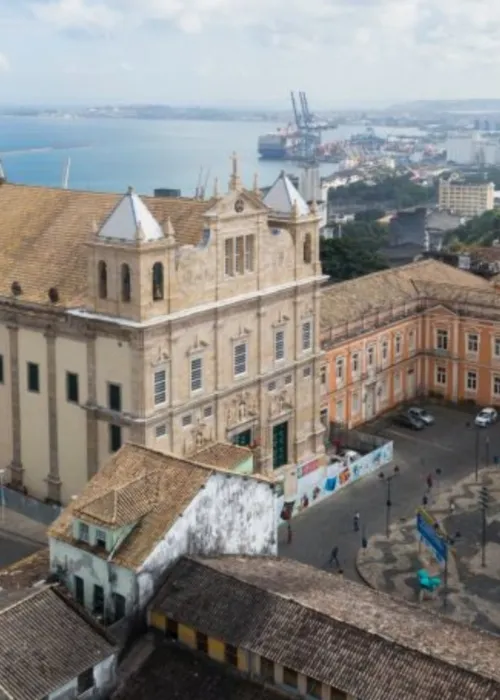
{"type": "Point", "coordinates": [388, 479]}
{"type": "Point", "coordinates": [484, 498]}
{"type": "Point", "coordinates": [2, 496]}
{"type": "Point", "coordinates": [450, 541]}
{"type": "Point", "coordinates": [476, 430]}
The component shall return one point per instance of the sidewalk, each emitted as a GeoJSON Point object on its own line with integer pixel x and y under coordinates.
{"type": "Point", "coordinates": [473, 591]}
{"type": "Point", "coordinates": [19, 526]}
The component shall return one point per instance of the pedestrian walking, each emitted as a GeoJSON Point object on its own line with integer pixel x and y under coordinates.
{"type": "Point", "coordinates": [289, 534]}
{"type": "Point", "coordinates": [334, 558]}
{"type": "Point", "coordinates": [452, 506]}
{"type": "Point", "coordinates": [429, 481]}
{"type": "Point", "coordinates": [356, 520]}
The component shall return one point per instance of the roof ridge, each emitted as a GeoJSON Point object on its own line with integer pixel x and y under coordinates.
{"type": "Point", "coordinates": [37, 591]}
{"type": "Point", "coordinates": [380, 635]}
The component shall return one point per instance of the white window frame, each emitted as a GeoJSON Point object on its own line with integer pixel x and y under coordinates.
{"type": "Point", "coordinates": [323, 375]}
{"type": "Point", "coordinates": [496, 379]}
{"type": "Point", "coordinates": [236, 346]}
{"type": "Point", "coordinates": [341, 403]}
{"type": "Point", "coordinates": [229, 246]}
{"type": "Point", "coordinates": [440, 369]}
{"type": "Point", "coordinates": [83, 529]}
{"type": "Point", "coordinates": [339, 365]}
{"type": "Point", "coordinates": [398, 345]}
{"type": "Point", "coordinates": [475, 350]}
{"type": "Point", "coordinates": [496, 348]}
{"type": "Point", "coordinates": [196, 386]}
{"type": "Point", "coordinates": [355, 403]}
{"type": "Point", "coordinates": [307, 339]}
{"type": "Point", "coordinates": [397, 383]}
{"type": "Point", "coordinates": [159, 393]}
{"type": "Point", "coordinates": [323, 416]}
{"type": "Point", "coordinates": [442, 339]}
{"type": "Point", "coordinates": [279, 345]}
{"type": "Point", "coordinates": [411, 340]}
{"type": "Point", "coordinates": [249, 252]}
{"type": "Point", "coordinates": [371, 353]}
{"type": "Point", "coordinates": [355, 364]}
{"type": "Point", "coordinates": [384, 349]}
{"type": "Point", "coordinates": [160, 431]}
{"type": "Point", "coordinates": [471, 382]}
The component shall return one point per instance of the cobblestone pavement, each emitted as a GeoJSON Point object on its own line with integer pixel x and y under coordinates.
{"type": "Point", "coordinates": [390, 565]}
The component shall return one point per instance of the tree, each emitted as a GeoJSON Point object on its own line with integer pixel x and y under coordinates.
{"type": "Point", "coordinates": [399, 192]}
{"type": "Point", "coordinates": [478, 231]}
{"type": "Point", "coordinates": [348, 257]}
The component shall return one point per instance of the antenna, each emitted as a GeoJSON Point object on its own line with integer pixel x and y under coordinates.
{"type": "Point", "coordinates": [205, 184]}
{"type": "Point", "coordinates": [65, 180]}
{"type": "Point", "coordinates": [198, 184]}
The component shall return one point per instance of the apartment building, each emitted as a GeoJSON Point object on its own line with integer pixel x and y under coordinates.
{"type": "Point", "coordinates": [466, 199]}
{"type": "Point", "coordinates": [170, 322]}
{"type": "Point", "coordinates": [421, 328]}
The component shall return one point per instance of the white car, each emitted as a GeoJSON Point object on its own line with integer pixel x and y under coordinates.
{"type": "Point", "coordinates": [485, 417]}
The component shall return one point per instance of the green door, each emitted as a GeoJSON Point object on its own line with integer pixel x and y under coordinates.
{"type": "Point", "coordinates": [280, 445]}
{"type": "Point", "coordinates": [243, 439]}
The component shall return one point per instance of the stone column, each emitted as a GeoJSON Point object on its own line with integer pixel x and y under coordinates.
{"type": "Point", "coordinates": [16, 467]}
{"type": "Point", "coordinates": [92, 434]}
{"type": "Point", "coordinates": [53, 479]}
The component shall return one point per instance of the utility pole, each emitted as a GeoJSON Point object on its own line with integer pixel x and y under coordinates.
{"type": "Point", "coordinates": [483, 502]}
{"type": "Point", "coordinates": [487, 450]}
{"type": "Point", "coordinates": [477, 454]}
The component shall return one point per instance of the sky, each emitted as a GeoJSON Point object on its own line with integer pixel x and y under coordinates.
{"type": "Point", "coordinates": [248, 52]}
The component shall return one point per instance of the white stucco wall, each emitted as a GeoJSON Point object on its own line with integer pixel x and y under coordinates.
{"type": "Point", "coordinates": [104, 679]}
{"type": "Point", "coordinates": [93, 570]}
{"type": "Point", "coordinates": [231, 515]}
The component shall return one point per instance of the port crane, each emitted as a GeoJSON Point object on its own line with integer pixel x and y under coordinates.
{"type": "Point", "coordinates": [308, 130]}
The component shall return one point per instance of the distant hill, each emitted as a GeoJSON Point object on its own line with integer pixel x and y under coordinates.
{"type": "Point", "coordinates": [473, 105]}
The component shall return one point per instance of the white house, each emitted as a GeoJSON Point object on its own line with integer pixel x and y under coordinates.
{"type": "Point", "coordinates": [141, 512]}
{"type": "Point", "coordinates": [52, 649]}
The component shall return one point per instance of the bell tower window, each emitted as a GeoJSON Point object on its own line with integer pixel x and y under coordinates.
{"type": "Point", "coordinates": [158, 281]}
{"type": "Point", "coordinates": [307, 249]}
{"type": "Point", "coordinates": [126, 289]}
{"type": "Point", "coordinates": [103, 279]}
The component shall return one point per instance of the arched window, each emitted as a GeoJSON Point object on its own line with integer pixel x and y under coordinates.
{"type": "Point", "coordinates": [103, 279]}
{"type": "Point", "coordinates": [157, 281]}
{"type": "Point", "coordinates": [126, 290]}
{"type": "Point", "coordinates": [307, 248]}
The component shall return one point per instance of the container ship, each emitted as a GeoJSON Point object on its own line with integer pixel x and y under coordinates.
{"type": "Point", "coordinates": [278, 145]}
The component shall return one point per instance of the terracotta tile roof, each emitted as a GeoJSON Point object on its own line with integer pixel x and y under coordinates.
{"type": "Point", "coordinates": [361, 642]}
{"type": "Point", "coordinates": [136, 485]}
{"type": "Point", "coordinates": [45, 642]}
{"type": "Point", "coordinates": [26, 572]}
{"type": "Point", "coordinates": [178, 673]}
{"type": "Point", "coordinates": [351, 300]}
{"type": "Point", "coordinates": [222, 454]}
{"type": "Point", "coordinates": [44, 231]}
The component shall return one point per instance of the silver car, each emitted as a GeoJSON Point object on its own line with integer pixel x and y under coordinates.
{"type": "Point", "coordinates": [421, 414]}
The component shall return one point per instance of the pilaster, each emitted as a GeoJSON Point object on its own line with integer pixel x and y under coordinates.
{"type": "Point", "coordinates": [16, 467]}
{"type": "Point", "coordinates": [53, 479]}
{"type": "Point", "coordinates": [92, 433]}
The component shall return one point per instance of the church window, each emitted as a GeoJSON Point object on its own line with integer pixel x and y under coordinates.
{"type": "Point", "coordinates": [307, 248]}
{"type": "Point", "coordinates": [157, 281]}
{"type": "Point", "coordinates": [103, 279]}
{"type": "Point", "coordinates": [125, 282]}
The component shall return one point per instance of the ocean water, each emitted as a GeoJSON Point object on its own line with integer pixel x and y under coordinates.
{"type": "Point", "coordinates": [111, 154]}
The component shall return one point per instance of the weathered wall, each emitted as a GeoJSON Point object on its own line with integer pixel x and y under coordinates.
{"type": "Point", "coordinates": [69, 561]}
{"type": "Point", "coordinates": [231, 515]}
{"type": "Point", "coordinates": [104, 680]}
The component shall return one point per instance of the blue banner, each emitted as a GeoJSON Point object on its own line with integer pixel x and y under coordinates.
{"type": "Point", "coordinates": [431, 537]}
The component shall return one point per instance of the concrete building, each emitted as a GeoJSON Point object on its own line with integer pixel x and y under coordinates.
{"type": "Point", "coordinates": [170, 322]}
{"type": "Point", "coordinates": [306, 633]}
{"type": "Point", "coordinates": [141, 512]}
{"type": "Point", "coordinates": [420, 329]}
{"type": "Point", "coordinates": [50, 649]}
{"type": "Point", "coordinates": [466, 199]}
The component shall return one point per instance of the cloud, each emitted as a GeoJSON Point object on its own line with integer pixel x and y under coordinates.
{"type": "Point", "coordinates": [80, 15]}
{"type": "Point", "coordinates": [4, 63]}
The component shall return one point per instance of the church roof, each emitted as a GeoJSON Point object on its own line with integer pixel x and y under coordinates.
{"type": "Point", "coordinates": [131, 221]}
{"type": "Point", "coordinates": [283, 196]}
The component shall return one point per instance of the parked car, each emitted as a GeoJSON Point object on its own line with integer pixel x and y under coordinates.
{"type": "Point", "coordinates": [485, 417]}
{"type": "Point", "coordinates": [406, 420]}
{"type": "Point", "coordinates": [421, 414]}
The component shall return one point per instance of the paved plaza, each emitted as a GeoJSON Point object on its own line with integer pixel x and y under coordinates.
{"type": "Point", "coordinates": [390, 565]}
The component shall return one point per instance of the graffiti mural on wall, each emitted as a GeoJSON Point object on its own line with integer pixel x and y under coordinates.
{"type": "Point", "coordinates": [316, 482]}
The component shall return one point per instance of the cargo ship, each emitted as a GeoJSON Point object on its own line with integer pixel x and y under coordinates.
{"type": "Point", "coordinates": [277, 145]}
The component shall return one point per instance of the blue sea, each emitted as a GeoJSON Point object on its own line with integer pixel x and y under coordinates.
{"type": "Point", "coordinates": [111, 154]}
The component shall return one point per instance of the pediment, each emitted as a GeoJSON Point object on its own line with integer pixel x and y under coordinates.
{"type": "Point", "coordinates": [237, 203]}
{"type": "Point", "coordinates": [443, 310]}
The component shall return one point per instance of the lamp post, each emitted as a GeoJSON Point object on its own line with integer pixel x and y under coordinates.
{"type": "Point", "coordinates": [388, 504]}
{"type": "Point", "coordinates": [450, 541]}
{"type": "Point", "coordinates": [476, 462]}
{"type": "Point", "coordinates": [2, 495]}
{"type": "Point", "coordinates": [487, 450]}
{"type": "Point", "coordinates": [484, 497]}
